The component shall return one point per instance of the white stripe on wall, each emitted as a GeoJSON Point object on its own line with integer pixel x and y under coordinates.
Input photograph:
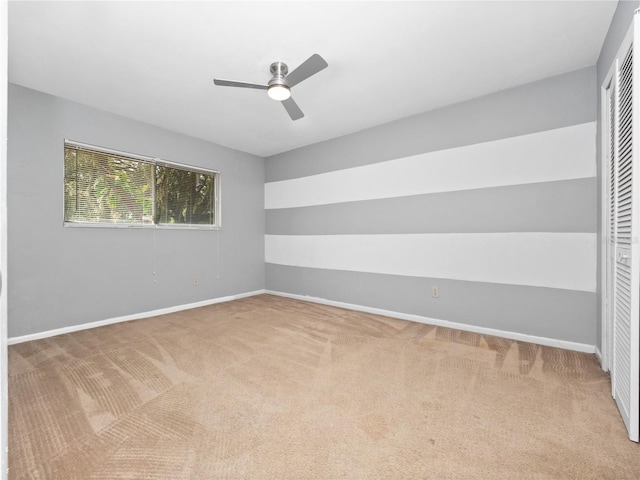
{"type": "Point", "coordinates": [554, 260]}
{"type": "Point", "coordinates": [560, 154]}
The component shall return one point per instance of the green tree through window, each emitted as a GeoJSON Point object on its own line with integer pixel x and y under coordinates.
{"type": "Point", "coordinates": [183, 196]}
{"type": "Point", "coordinates": [101, 187]}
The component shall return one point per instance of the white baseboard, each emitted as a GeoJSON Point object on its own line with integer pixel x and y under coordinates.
{"type": "Point", "coordinates": [126, 318]}
{"type": "Point", "coordinates": [550, 342]}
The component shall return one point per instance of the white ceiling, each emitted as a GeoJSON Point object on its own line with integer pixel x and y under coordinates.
{"type": "Point", "coordinates": [155, 61]}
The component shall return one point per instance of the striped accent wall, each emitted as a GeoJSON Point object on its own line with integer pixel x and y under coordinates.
{"type": "Point", "coordinates": [505, 228]}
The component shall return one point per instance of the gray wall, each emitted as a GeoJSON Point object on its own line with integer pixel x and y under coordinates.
{"type": "Point", "coordinates": [301, 238]}
{"type": "Point", "coordinates": [619, 26]}
{"type": "Point", "coordinates": [63, 277]}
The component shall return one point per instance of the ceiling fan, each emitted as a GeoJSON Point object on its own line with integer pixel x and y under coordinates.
{"type": "Point", "coordinates": [279, 87]}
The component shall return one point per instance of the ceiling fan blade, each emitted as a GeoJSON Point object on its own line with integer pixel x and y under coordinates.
{"type": "Point", "coordinates": [292, 109]}
{"type": "Point", "coordinates": [310, 66]}
{"type": "Point", "coordinates": [232, 83]}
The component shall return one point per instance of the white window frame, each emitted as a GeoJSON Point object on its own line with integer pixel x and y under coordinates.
{"type": "Point", "coordinates": [154, 161]}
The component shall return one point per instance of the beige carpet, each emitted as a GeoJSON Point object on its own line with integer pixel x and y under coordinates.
{"type": "Point", "coordinates": [273, 388]}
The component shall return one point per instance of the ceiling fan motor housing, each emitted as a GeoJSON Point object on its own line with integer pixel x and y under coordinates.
{"type": "Point", "coordinates": [279, 70]}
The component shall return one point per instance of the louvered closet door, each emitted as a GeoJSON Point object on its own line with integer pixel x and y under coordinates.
{"type": "Point", "coordinates": [625, 203]}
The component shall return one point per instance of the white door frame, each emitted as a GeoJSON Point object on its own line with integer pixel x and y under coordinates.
{"type": "Point", "coordinates": [606, 346]}
{"type": "Point", "coordinates": [4, 54]}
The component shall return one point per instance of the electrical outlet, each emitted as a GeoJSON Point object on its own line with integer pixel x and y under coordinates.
{"type": "Point", "coordinates": [435, 293]}
{"type": "Point", "coordinates": [195, 281]}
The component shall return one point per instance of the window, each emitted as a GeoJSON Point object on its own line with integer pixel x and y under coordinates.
{"type": "Point", "coordinates": [104, 187]}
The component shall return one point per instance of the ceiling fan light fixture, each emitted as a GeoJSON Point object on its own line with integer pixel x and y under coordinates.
{"type": "Point", "coordinates": [279, 87]}
{"type": "Point", "coordinates": [279, 92]}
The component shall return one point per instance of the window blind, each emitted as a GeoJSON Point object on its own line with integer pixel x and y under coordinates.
{"type": "Point", "coordinates": [107, 188]}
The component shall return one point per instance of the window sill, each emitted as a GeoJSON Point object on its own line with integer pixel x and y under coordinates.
{"type": "Point", "coordinates": [139, 226]}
